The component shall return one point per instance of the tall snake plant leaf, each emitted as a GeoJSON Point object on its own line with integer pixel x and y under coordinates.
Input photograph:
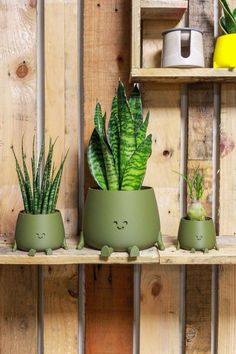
{"type": "Point", "coordinates": [111, 173]}
{"type": "Point", "coordinates": [135, 104]}
{"type": "Point", "coordinates": [141, 134]}
{"type": "Point", "coordinates": [136, 167]}
{"type": "Point", "coordinates": [229, 23]}
{"type": "Point", "coordinates": [95, 161]}
{"type": "Point", "coordinates": [114, 133]}
{"type": "Point", "coordinates": [127, 130]}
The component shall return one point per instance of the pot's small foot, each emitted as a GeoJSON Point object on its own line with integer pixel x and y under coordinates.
{"type": "Point", "coordinates": [106, 251]}
{"type": "Point", "coordinates": [192, 250]}
{"type": "Point", "coordinates": [160, 244]}
{"type": "Point", "coordinates": [205, 250]}
{"type": "Point", "coordinates": [48, 251]}
{"type": "Point", "coordinates": [32, 252]}
{"type": "Point", "coordinates": [216, 247]}
{"type": "Point", "coordinates": [80, 244]}
{"type": "Point", "coordinates": [177, 245]}
{"type": "Point", "coordinates": [64, 244]}
{"type": "Point", "coordinates": [14, 248]}
{"type": "Point", "coordinates": [133, 251]}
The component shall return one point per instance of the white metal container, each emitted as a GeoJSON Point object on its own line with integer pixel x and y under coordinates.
{"type": "Point", "coordinates": [183, 48]}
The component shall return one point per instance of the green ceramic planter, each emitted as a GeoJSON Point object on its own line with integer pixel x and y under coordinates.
{"type": "Point", "coordinates": [121, 219]}
{"type": "Point", "coordinates": [40, 232]}
{"type": "Point", "coordinates": [197, 235]}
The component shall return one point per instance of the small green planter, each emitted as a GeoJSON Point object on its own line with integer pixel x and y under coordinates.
{"type": "Point", "coordinates": [39, 232]}
{"type": "Point", "coordinates": [197, 235]}
{"type": "Point", "coordinates": [121, 221]}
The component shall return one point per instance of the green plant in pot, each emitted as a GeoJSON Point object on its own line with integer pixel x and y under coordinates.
{"type": "Point", "coordinates": [196, 230]}
{"type": "Point", "coordinates": [39, 226]}
{"type": "Point", "coordinates": [120, 215]}
{"type": "Point", "coordinates": [225, 48]}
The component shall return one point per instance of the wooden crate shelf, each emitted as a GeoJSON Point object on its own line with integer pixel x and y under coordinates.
{"type": "Point", "coordinates": [153, 9]}
{"type": "Point", "coordinates": [175, 75]}
{"type": "Point", "coordinates": [225, 255]}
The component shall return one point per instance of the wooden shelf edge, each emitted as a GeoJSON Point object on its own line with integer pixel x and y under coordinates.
{"type": "Point", "coordinates": [174, 75]}
{"type": "Point", "coordinates": [73, 256]}
{"type": "Point", "coordinates": [225, 255]}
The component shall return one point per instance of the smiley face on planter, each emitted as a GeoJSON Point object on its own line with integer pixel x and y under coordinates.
{"type": "Point", "coordinates": [120, 225]}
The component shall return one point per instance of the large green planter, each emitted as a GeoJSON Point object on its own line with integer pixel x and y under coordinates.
{"type": "Point", "coordinates": [121, 221]}
{"type": "Point", "coordinates": [39, 232]}
{"type": "Point", "coordinates": [197, 235]}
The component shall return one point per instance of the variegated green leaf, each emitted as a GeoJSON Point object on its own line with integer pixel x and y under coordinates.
{"type": "Point", "coordinates": [99, 120]}
{"type": "Point", "coordinates": [96, 162]}
{"type": "Point", "coordinates": [114, 132]}
{"type": "Point", "coordinates": [141, 134]}
{"type": "Point", "coordinates": [229, 22]}
{"type": "Point", "coordinates": [111, 173]}
{"type": "Point", "coordinates": [136, 167]}
{"type": "Point", "coordinates": [127, 129]}
{"type": "Point", "coordinates": [135, 104]}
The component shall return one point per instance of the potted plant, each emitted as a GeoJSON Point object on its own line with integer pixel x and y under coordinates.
{"type": "Point", "coordinates": [39, 226]}
{"type": "Point", "coordinates": [225, 49]}
{"type": "Point", "coordinates": [120, 215]}
{"type": "Point", "coordinates": [196, 230]}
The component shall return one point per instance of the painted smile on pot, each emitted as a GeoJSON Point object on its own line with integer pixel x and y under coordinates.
{"type": "Point", "coordinates": [120, 226]}
{"type": "Point", "coordinates": [40, 235]}
{"type": "Point", "coordinates": [199, 237]}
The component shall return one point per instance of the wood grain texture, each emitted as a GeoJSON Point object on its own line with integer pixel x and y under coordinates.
{"type": "Point", "coordinates": [227, 274]}
{"type": "Point", "coordinates": [136, 35]}
{"type": "Point", "coordinates": [61, 309]}
{"type": "Point", "coordinates": [200, 135]}
{"type": "Point", "coordinates": [159, 309]}
{"type": "Point", "coordinates": [107, 27]}
{"type": "Point", "coordinates": [164, 9]}
{"type": "Point", "coordinates": [18, 290]}
{"type": "Point", "coordinates": [108, 310]}
{"type": "Point", "coordinates": [61, 119]}
{"type": "Point", "coordinates": [173, 75]}
{"type": "Point", "coordinates": [163, 103]}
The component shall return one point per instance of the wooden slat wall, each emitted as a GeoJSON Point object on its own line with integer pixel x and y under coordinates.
{"type": "Point", "coordinates": [18, 285]}
{"type": "Point", "coordinates": [61, 119]}
{"type": "Point", "coordinates": [160, 285]}
{"type": "Point", "coordinates": [109, 290]}
{"type": "Point", "coordinates": [200, 123]}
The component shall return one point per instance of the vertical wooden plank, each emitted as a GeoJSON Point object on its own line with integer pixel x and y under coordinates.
{"type": "Point", "coordinates": [107, 26]}
{"type": "Point", "coordinates": [18, 285]}
{"type": "Point", "coordinates": [198, 282]}
{"type": "Point", "coordinates": [61, 119]}
{"type": "Point", "coordinates": [160, 286]}
{"type": "Point", "coordinates": [136, 34]}
{"type": "Point", "coordinates": [227, 224]}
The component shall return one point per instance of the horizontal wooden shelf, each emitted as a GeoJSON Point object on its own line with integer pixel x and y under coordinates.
{"type": "Point", "coordinates": [164, 9]}
{"type": "Point", "coordinates": [174, 75]}
{"type": "Point", "coordinates": [225, 255]}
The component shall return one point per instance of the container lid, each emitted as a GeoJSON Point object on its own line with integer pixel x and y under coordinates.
{"type": "Point", "coordinates": [181, 29]}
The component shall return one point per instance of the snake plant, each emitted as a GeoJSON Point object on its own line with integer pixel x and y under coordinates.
{"type": "Point", "coordinates": [118, 155]}
{"type": "Point", "coordinates": [195, 184]}
{"type": "Point", "coordinates": [228, 21]}
{"type": "Point", "coordinates": [39, 193]}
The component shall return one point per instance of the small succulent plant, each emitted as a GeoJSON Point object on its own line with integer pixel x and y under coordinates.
{"type": "Point", "coordinates": [39, 193]}
{"type": "Point", "coordinates": [228, 21]}
{"type": "Point", "coordinates": [195, 184]}
{"type": "Point", "coordinates": [117, 157]}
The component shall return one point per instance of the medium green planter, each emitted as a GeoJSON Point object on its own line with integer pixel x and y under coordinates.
{"type": "Point", "coordinates": [121, 221]}
{"type": "Point", "coordinates": [39, 232]}
{"type": "Point", "coordinates": [197, 235]}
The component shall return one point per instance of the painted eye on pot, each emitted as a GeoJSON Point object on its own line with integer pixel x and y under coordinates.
{"type": "Point", "coordinates": [125, 222]}
{"type": "Point", "coordinates": [115, 222]}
